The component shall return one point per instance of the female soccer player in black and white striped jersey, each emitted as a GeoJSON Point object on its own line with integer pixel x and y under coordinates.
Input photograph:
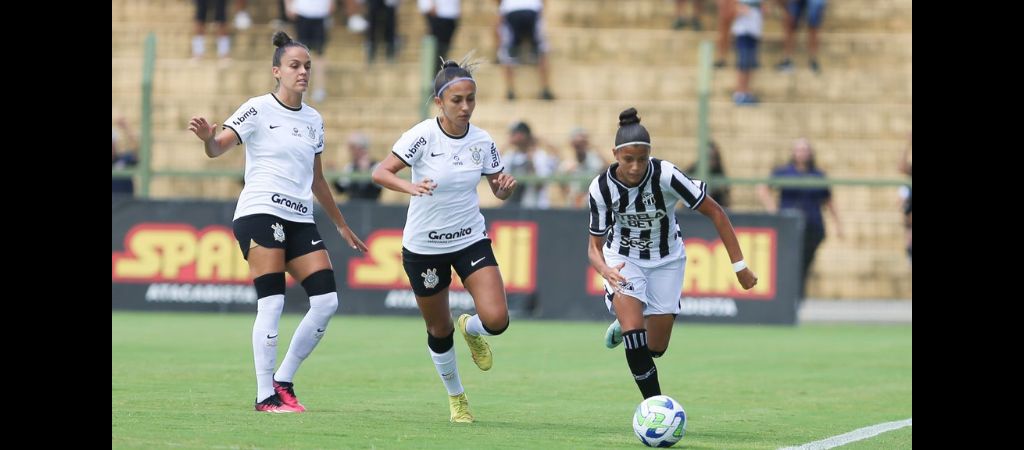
{"type": "Point", "coordinates": [444, 227]}
{"type": "Point", "coordinates": [636, 245]}
{"type": "Point", "coordinates": [274, 217]}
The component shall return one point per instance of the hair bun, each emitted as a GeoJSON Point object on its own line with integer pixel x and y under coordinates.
{"type": "Point", "coordinates": [628, 117]}
{"type": "Point", "coordinates": [449, 63]}
{"type": "Point", "coordinates": [281, 38]}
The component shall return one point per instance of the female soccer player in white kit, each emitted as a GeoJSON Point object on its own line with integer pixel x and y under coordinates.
{"type": "Point", "coordinates": [273, 220]}
{"type": "Point", "coordinates": [444, 227]}
{"type": "Point", "coordinates": [636, 245]}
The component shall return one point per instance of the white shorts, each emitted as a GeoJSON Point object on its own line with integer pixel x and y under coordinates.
{"type": "Point", "coordinates": [658, 288]}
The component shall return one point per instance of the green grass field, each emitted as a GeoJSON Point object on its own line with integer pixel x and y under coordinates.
{"type": "Point", "coordinates": [186, 380]}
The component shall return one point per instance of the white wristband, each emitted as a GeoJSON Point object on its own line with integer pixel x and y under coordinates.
{"type": "Point", "coordinates": [739, 265]}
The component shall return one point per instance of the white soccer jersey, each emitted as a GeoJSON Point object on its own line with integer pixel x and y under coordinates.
{"type": "Point", "coordinates": [449, 220]}
{"type": "Point", "coordinates": [280, 146]}
{"type": "Point", "coordinates": [313, 9]}
{"type": "Point", "coordinates": [640, 222]}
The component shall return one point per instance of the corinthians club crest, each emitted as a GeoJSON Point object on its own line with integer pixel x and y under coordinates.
{"type": "Point", "coordinates": [278, 232]}
{"type": "Point", "coordinates": [430, 278]}
{"type": "Point", "coordinates": [477, 159]}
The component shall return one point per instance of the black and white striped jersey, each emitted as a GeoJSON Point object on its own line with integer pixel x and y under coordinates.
{"type": "Point", "coordinates": [639, 222]}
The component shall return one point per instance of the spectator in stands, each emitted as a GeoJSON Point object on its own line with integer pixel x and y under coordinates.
{"type": "Point", "coordinates": [312, 18]}
{"type": "Point", "coordinates": [680, 21]}
{"type": "Point", "coordinates": [220, 15]}
{"type": "Point", "coordinates": [585, 163]}
{"type": "Point", "coordinates": [359, 162]}
{"type": "Point", "coordinates": [442, 20]}
{"type": "Point", "coordinates": [905, 166]}
{"type": "Point", "coordinates": [715, 168]}
{"type": "Point", "coordinates": [807, 201]}
{"type": "Point", "coordinates": [242, 18]}
{"type": "Point", "coordinates": [124, 147]}
{"type": "Point", "coordinates": [726, 14]}
{"type": "Point", "coordinates": [382, 16]}
{"type": "Point", "coordinates": [746, 27]}
{"type": "Point", "coordinates": [526, 158]}
{"type": "Point", "coordinates": [522, 21]}
{"type": "Point", "coordinates": [356, 23]}
{"type": "Point", "coordinates": [815, 12]}
{"type": "Point", "coordinates": [281, 20]}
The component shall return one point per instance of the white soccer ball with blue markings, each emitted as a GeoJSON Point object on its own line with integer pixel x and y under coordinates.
{"type": "Point", "coordinates": [659, 421]}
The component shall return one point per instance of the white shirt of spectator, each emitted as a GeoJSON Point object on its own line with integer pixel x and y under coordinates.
{"type": "Point", "coordinates": [280, 146]}
{"type": "Point", "coordinates": [450, 220]}
{"type": "Point", "coordinates": [750, 23]}
{"type": "Point", "coordinates": [312, 9]}
{"type": "Point", "coordinates": [539, 163]}
{"type": "Point", "coordinates": [508, 6]}
{"type": "Point", "coordinates": [446, 9]}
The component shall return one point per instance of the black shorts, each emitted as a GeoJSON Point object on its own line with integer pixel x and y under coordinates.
{"type": "Point", "coordinates": [518, 28]}
{"type": "Point", "coordinates": [220, 10]}
{"type": "Point", "coordinates": [296, 238]}
{"type": "Point", "coordinates": [430, 274]}
{"type": "Point", "coordinates": [312, 33]}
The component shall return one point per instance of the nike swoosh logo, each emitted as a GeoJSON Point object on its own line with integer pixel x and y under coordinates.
{"type": "Point", "coordinates": [275, 126]}
{"type": "Point", "coordinates": [271, 337]}
{"type": "Point", "coordinates": [320, 330]}
{"type": "Point", "coordinates": [316, 242]}
{"type": "Point", "coordinates": [437, 154]}
{"type": "Point", "coordinates": [474, 263]}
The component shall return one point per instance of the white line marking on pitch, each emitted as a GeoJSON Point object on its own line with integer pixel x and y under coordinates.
{"type": "Point", "coordinates": [853, 436]}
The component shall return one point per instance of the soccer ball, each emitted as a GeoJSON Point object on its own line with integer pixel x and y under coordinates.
{"type": "Point", "coordinates": [659, 421]}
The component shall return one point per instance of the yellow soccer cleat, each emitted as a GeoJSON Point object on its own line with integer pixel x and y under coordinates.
{"type": "Point", "coordinates": [459, 407]}
{"type": "Point", "coordinates": [478, 346]}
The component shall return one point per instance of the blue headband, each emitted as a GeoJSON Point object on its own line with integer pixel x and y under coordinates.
{"type": "Point", "coordinates": [440, 92]}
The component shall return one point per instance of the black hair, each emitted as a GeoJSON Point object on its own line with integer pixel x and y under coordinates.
{"type": "Point", "coordinates": [283, 42]}
{"type": "Point", "coordinates": [630, 129]}
{"type": "Point", "coordinates": [451, 70]}
{"type": "Point", "coordinates": [521, 127]}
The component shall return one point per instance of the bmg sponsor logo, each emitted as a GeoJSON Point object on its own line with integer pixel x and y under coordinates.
{"type": "Point", "coordinates": [290, 204]}
{"type": "Point", "coordinates": [442, 236]}
{"type": "Point", "coordinates": [416, 147]}
{"type": "Point", "coordinates": [241, 119]}
{"type": "Point", "coordinates": [495, 158]}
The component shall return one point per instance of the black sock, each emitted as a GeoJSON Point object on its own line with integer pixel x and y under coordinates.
{"type": "Point", "coordinates": [641, 363]}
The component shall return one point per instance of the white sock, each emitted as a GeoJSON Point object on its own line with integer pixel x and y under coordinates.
{"type": "Point", "coordinates": [198, 46]}
{"type": "Point", "coordinates": [308, 334]}
{"type": "Point", "coordinates": [448, 370]}
{"type": "Point", "coordinates": [223, 46]}
{"type": "Point", "coordinates": [475, 327]}
{"type": "Point", "coordinates": [264, 343]}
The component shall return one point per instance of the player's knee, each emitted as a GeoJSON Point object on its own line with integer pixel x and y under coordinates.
{"type": "Point", "coordinates": [322, 292]}
{"type": "Point", "coordinates": [440, 344]}
{"type": "Point", "coordinates": [326, 304]}
{"type": "Point", "coordinates": [319, 283]}
{"type": "Point", "coordinates": [269, 284]}
{"type": "Point", "coordinates": [499, 330]}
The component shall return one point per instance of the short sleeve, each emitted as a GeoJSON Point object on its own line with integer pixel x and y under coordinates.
{"type": "Point", "coordinates": [493, 164]}
{"type": "Point", "coordinates": [244, 122]}
{"type": "Point", "coordinates": [410, 147]}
